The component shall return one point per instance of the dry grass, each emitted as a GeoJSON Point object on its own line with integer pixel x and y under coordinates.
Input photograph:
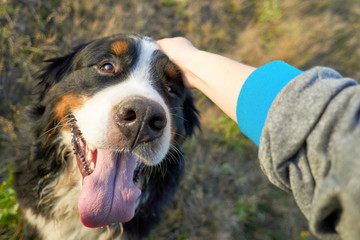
{"type": "Point", "coordinates": [223, 194]}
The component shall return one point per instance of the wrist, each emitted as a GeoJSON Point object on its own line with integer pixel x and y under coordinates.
{"type": "Point", "coordinates": [218, 77]}
{"type": "Point", "coordinates": [191, 64]}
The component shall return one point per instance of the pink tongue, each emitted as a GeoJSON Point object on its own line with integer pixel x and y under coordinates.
{"type": "Point", "coordinates": [108, 195]}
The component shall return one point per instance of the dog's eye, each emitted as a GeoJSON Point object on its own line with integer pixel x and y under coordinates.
{"type": "Point", "coordinates": [171, 89]}
{"type": "Point", "coordinates": [108, 67]}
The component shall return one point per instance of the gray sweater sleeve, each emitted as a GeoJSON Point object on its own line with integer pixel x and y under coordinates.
{"type": "Point", "coordinates": [310, 146]}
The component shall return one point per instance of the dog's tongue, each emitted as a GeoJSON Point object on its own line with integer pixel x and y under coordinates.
{"type": "Point", "coordinates": [108, 195]}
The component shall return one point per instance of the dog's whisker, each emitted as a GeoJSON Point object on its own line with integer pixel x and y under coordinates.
{"type": "Point", "coordinates": [58, 125]}
{"type": "Point", "coordinates": [177, 150]}
{"type": "Point", "coordinates": [164, 169]}
{"type": "Point", "coordinates": [172, 158]}
{"type": "Point", "coordinates": [177, 108]}
{"type": "Point", "coordinates": [177, 134]}
{"type": "Point", "coordinates": [147, 170]}
{"type": "Point", "coordinates": [151, 170]}
{"type": "Point", "coordinates": [177, 116]}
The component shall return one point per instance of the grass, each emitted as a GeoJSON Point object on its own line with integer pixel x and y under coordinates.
{"type": "Point", "coordinates": [229, 130]}
{"type": "Point", "coordinates": [223, 194]}
{"type": "Point", "coordinates": [179, 6]}
{"type": "Point", "coordinates": [10, 218]}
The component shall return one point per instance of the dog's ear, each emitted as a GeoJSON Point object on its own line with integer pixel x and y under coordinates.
{"type": "Point", "coordinates": [191, 114]}
{"type": "Point", "coordinates": [53, 72]}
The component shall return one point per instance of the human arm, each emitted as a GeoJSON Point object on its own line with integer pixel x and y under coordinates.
{"type": "Point", "coordinates": [218, 77]}
{"type": "Point", "coordinates": [308, 132]}
{"type": "Point", "coordinates": [222, 79]}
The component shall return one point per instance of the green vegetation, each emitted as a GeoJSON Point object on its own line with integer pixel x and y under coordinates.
{"type": "Point", "coordinates": [9, 210]}
{"type": "Point", "coordinates": [269, 11]}
{"type": "Point", "coordinates": [224, 194]}
{"type": "Point", "coordinates": [230, 133]}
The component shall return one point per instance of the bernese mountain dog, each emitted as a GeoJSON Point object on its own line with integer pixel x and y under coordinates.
{"type": "Point", "coordinates": [102, 141]}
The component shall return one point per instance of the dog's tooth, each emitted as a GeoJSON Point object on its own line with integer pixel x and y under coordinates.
{"type": "Point", "coordinates": [90, 155]}
{"type": "Point", "coordinates": [92, 166]}
{"type": "Point", "coordinates": [91, 148]}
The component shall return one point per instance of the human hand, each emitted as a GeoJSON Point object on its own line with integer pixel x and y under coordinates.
{"type": "Point", "coordinates": [179, 50]}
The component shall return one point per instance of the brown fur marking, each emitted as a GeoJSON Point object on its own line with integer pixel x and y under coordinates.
{"type": "Point", "coordinates": [66, 103]}
{"type": "Point", "coordinates": [171, 70]}
{"type": "Point", "coordinates": [119, 47]}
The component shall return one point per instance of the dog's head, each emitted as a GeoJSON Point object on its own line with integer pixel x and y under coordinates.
{"type": "Point", "coordinates": [121, 104]}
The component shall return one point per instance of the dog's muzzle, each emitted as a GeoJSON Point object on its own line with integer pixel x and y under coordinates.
{"type": "Point", "coordinates": [140, 119]}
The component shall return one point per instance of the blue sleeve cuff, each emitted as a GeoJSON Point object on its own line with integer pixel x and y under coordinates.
{"type": "Point", "coordinates": [257, 95]}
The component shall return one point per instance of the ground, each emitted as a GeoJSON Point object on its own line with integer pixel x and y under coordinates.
{"type": "Point", "coordinates": [224, 194]}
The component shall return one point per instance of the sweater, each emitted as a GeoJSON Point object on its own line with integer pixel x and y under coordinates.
{"type": "Point", "coordinates": [307, 127]}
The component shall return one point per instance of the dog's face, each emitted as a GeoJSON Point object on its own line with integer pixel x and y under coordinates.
{"type": "Point", "coordinates": [122, 106]}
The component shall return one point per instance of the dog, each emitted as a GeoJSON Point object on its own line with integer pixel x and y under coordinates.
{"type": "Point", "coordinates": [102, 141]}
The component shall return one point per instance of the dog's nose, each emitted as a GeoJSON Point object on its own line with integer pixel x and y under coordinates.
{"type": "Point", "coordinates": [140, 119]}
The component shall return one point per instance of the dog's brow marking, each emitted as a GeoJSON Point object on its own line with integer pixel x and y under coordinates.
{"type": "Point", "coordinates": [119, 47]}
{"type": "Point", "coordinates": [66, 103]}
{"type": "Point", "coordinates": [171, 70]}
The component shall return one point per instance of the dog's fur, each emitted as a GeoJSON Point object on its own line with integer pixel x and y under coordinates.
{"type": "Point", "coordinates": [79, 97]}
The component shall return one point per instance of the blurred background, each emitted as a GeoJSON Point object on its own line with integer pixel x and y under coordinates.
{"type": "Point", "coordinates": [224, 194]}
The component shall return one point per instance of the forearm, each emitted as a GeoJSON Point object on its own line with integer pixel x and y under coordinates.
{"type": "Point", "coordinates": [218, 77]}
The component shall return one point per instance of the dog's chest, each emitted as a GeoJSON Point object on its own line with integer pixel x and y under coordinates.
{"type": "Point", "coordinates": [68, 228]}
